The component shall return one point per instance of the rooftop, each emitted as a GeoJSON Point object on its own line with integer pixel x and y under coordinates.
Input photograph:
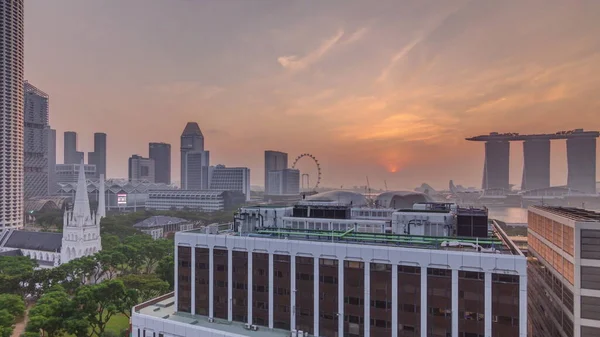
{"type": "Point", "coordinates": [578, 133]}
{"type": "Point", "coordinates": [164, 307]}
{"type": "Point", "coordinates": [577, 214]}
{"type": "Point", "coordinates": [159, 220]}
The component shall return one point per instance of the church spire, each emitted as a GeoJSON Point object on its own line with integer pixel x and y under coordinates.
{"type": "Point", "coordinates": [81, 208]}
{"type": "Point", "coordinates": [101, 202]}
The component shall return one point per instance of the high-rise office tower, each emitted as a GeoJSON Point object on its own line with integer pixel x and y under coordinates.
{"type": "Point", "coordinates": [141, 168]}
{"type": "Point", "coordinates": [161, 153]}
{"type": "Point", "coordinates": [36, 142]}
{"type": "Point", "coordinates": [98, 157]}
{"type": "Point", "coordinates": [191, 140]}
{"type": "Point", "coordinates": [197, 165]}
{"type": "Point", "coordinates": [274, 161]}
{"type": "Point", "coordinates": [11, 113]}
{"type": "Point", "coordinates": [51, 161]}
{"type": "Point", "coordinates": [71, 155]}
{"type": "Point", "coordinates": [284, 182]}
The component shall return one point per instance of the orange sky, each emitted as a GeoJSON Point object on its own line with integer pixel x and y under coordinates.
{"type": "Point", "coordinates": [389, 91]}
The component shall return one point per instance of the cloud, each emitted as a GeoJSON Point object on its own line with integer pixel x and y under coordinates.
{"type": "Point", "coordinates": [356, 36]}
{"type": "Point", "coordinates": [296, 63]}
{"type": "Point", "coordinates": [185, 88]}
{"type": "Point", "coordinates": [397, 57]}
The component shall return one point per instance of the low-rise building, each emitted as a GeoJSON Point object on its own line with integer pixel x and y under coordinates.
{"type": "Point", "coordinates": [271, 278]}
{"type": "Point", "coordinates": [224, 178]}
{"type": "Point", "coordinates": [206, 201]}
{"type": "Point", "coordinates": [159, 226]}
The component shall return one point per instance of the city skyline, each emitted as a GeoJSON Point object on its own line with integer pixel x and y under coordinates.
{"type": "Point", "coordinates": [290, 81]}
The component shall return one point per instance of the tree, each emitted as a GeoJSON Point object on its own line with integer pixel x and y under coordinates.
{"type": "Point", "coordinates": [98, 303]}
{"type": "Point", "coordinates": [110, 242]}
{"type": "Point", "coordinates": [14, 304]}
{"type": "Point", "coordinates": [49, 312]}
{"type": "Point", "coordinates": [166, 270]}
{"type": "Point", "coordinates": [110, 262]}
{"type": "Point", "coordinates": [146, 286]}
{"type": "Point", "coordinates": [6, 323]}
{"type": "Point", "coordinates": [154, 251]}
{"type": "Point", "coordinates": [15, 274]}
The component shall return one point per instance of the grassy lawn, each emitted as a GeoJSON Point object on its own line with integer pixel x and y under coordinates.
{"type": "Point", "coordinates": [116, 324]}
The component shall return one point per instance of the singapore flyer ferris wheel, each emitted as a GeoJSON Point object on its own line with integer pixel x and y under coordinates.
{"type": "Point", "coordinates": [309, 157]}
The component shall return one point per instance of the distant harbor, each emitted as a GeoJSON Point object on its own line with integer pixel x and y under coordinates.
{"type": "Point", "coordinates": [509, 215]}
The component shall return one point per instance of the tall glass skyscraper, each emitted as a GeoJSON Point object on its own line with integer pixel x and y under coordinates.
{"type": "Point", "coordinates": [36, 143]}
{"type": "Point", "coordinates": [11, 113]}
{"type": "Point", "coordinates": [192, 140]}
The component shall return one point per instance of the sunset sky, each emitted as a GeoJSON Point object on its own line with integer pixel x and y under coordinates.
{"type": "Point", "coordinates": [387, 89]}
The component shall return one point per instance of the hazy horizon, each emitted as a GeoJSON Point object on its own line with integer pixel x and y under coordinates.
{"type": "Point", "coordinates": [388, 91]}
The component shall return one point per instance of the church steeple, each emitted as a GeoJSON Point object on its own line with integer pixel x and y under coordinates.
{"type": "Point", "coordinates": [81, 207]}
{"type": "Point", "coordinates": [81, 232]}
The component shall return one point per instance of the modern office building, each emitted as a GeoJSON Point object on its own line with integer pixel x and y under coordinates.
{"type": "Point", "coordinates": [98, 157]}
{"type": "Point", "coordinates": [36, 142]}
{"type": "Point", "coordinates": [536, 164]}
{"type": "Point", "coordinates": [69, 173]}
{"type": "Point", "coordinates": [581, 158]}
{"type": "Point", "coordinates": [197, 170]}
{"type": "Point", "coordinates": [205, 201]}
{"type": "Point", "coordinates": [141, 169]}
{"type": "Point", "coordinates": [564, 272]}
{"type": "Point", "coordinates": [275, 278]}
{"type": "Point", "coordinates": [71, 155]}
{"type": "Point", "coordinates": [191, 140]}
{"type": "Point", "coordinates": [11, 113]}
{"type": "Point", "coordinates": [51, 162]}
{"type": "Point", "coordinates": [274, 161]}
{"type": "Point", "coordinates": [283, 182]}
{"type": "Point", "coordinates": [224, 178]}
{"type": "Point", "coordinates": [161, 154]}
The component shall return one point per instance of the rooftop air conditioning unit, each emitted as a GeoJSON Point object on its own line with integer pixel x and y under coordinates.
{"type": "Point", "coordinates": [247, 326]}
{"type": "Point", "coordinates": [293, 333]}
{"type": "Point", "coordinates": [254, 327]}
{"type": "Point", "coordinates": [305, 333]}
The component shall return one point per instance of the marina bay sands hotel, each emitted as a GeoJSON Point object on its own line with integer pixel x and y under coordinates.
{"type": "Point", "coordinates": [581, 158]}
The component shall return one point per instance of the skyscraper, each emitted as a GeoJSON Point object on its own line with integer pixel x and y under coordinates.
{"type": "Point", "coordinates": [51, 161]}
{"type": "Point", "coordinates": [161, 153]}
{"type": "Point", "coordinates": [197, 164]}
{"type": "Point", "coordinates": [36, 142]}
{"type": "Point", "coordinates": [191, 140]}
{"type": "Point", "coordinates": [11, 113]}
{"type": "Point", "coordinates": [98, 157]}
{"type": "Point", "coordinates": [141, 168]}
{"type": "Point", "coordinates": [71, 155]}
{"type": "Point", "coordinates": [274, 161]}
{"type": "Point", "coordinates": [230, 179]}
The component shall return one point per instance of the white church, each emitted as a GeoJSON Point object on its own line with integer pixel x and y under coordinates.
{"type": "Point", "coordinates": [80, 236]}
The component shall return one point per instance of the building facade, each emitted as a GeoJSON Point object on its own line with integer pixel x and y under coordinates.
{"type": "Point", "coordinates": [141, 169]}
{"type": "Point", "coordinates": [564, 272]}
{"type": "Point", "coordinates": [98, 157]}
{"type": "Point", "coordinates": [71, 155]}
{"type": "Point", "coordinates": [274, 161]}
{"type": "Point", "coordinates": [11, 113]}
{"type": "Point", "coordinates": [52, 162]}
{"type": "Point", "coordinates": [159, 226]}
{"type": "Point", "coordinates": [266, 280]}
{"type": "Point", "coordinates": [191, 140]}
{"type": "Point", "coordinates": [205, 201]}
{"type": "Point", "coordinates": [284, 182]}
{"type": "Point", "coordinates": [36, 142]}
{"type": "Point", "coordinates": [161, 154]}
{"type": "Point", "coordinates": [197, 170]}
{"type": "Point", "coordinates": [69, 173]}
{"type": "Point", "coordinates": [230, 179]}
{"type": "Point", "coordinates": [581, 159]}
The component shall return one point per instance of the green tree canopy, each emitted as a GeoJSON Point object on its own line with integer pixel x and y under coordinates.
{"type": "Point", "coordinates": [14, 304]}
